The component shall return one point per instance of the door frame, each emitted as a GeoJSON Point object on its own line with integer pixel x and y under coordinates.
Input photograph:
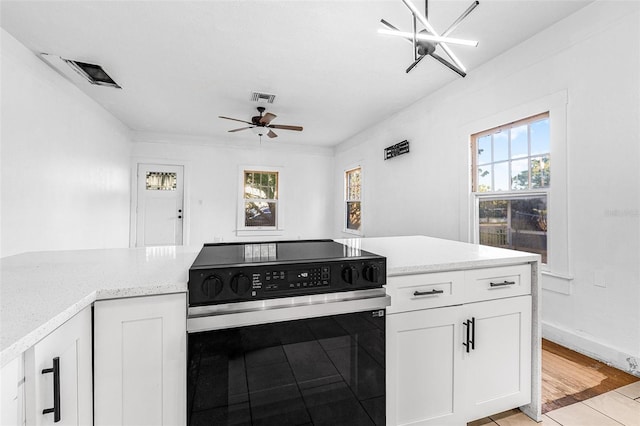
{"type": "Point", "coordinates": [133, 214]}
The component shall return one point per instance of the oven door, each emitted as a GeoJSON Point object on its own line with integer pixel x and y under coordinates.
{"type": "Point", "coordinates": [302, 361]}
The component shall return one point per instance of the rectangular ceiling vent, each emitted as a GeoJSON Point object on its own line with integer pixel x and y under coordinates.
{"type": "Point", "coordinates": [262, 97]}
{"type": "Point", "coordinates": [91, 73]}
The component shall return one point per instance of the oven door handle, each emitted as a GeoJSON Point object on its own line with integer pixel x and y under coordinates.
{"type": "Point", "coordinates": [233, 315]}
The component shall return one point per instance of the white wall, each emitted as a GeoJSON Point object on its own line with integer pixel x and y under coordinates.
{"type": "Point", "coordinates": [213, 181]}
{"type": "Point", "coordinates": [65, 162]}
{"type": "Point", "coordinates": [586, 69]}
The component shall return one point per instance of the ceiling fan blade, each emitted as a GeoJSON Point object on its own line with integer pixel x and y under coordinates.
{"type": "Point", "coordinates": [285, 127]}
{"type": "Point", "coordinates": [448, 64]}
{"type": "Point", "coordinates": [415, 63]}
{"type": "Point", "coordinates": [271, 134]}
{"type": "Point", "coordinates": [235, 119]}
{"type": "Point", "coordinates": [241, 128]}
{"type": "Point", "coordinates": [267, 118]}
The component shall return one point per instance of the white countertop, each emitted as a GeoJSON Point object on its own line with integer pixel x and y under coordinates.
{"type": "Point", "coordinates": [39, 291]}
{"type": "Point", "coordinates": [420, 254]}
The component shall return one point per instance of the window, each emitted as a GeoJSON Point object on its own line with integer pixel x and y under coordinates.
{"type": "Point", "coordinates": [260, 199]}
{"type": "Point", "coordinates": [353, 199]}
{"type": "Point", "coordinates": [511, 178]}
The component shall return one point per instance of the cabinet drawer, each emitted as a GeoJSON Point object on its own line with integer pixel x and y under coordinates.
{"type": "Point", "coordinates": [497, 283]}
{"type": "Point", "coordinates": [423, 291]}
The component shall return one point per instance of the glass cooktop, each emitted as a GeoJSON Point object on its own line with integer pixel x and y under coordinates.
{"type": "Point", "coordinates": [234, 254]}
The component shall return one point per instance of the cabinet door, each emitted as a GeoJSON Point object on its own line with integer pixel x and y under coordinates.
{"type": "Point", "coordinates": [140, 361]}
{"type": "Point", "coordinates": [12, 393]}
{"type": "Point", "coordinates": [498, 368]}
{"type": "Point", "coordinates": [70, 344]}
{"type": "Point", "coordinates": [423, 362]}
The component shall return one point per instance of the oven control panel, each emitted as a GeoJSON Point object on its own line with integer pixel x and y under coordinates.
{"type": "Point", "coordinates": [209, 286]}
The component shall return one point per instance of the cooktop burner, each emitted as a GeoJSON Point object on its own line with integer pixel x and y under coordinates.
{"type": "Point", "coordinates": [228, 272]}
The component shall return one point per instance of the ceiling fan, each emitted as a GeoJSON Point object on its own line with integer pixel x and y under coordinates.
{"type": "Point", "coordinates": [261, 124]}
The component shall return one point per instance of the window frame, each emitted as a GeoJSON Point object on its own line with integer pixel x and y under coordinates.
{"type": "Point", "coordinates": [244, 230]}
{"type": "Point", "coordinates": [347, 200]}
{"type": "Point", "coordinates": [510, 194]}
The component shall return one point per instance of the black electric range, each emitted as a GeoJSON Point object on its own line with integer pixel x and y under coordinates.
{"type": "Point", "coordinates": [235, 272]}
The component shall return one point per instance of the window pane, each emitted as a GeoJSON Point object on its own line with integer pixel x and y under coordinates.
{"type": "Point", "coordinates": [353, 184]}
{"type": "Point", "coordinates": [261, 185]}
{"type": "Point", "coordinates": [501, 177]}
{"type": "Point", "coordinates": [484, 179]}
{"type": "Point", "coordinates": [520, 174]}
{"type": "Point", "coordinates": [353, 215]}
{"type": "Point", "coordinates": [519, 142]}
{"type": "Point", "coordinates": [540, 176]}
{"type": "Point", "coordinates": [500, 146]}
{"type": "Point", "coordinates": [515, 223]}
{"type": "Point", "coordinates": [484, 149]}
{"type": "Point", "coordinates": [259, 213]}
{"type": "Point", "coordinates": [161, 181]}
{"type": "Point", "coordinates": [540, 137]}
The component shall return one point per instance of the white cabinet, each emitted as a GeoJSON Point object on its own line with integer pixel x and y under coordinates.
{"type": "Point", "coordinates": [423, 362]}
{"type": "Point", "coordinates": [140, 361]}
{"type": "Point", "coordinates": [58, 375]}
{"type": "Point", "coordinates": [12, 393]}
{"type": "Point", "coordinates": [497, 368]}
{"type": "Point", "coordinates": [450, 364]}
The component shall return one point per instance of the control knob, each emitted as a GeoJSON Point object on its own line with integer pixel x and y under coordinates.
{"type": "Point", "coordinates": [240, 284]}
{"type": "Point", "coordinates": [350, 274]}
{"type": "Point", "coordinates": [212, 286]}
{"type": "Point", "coordinates": [371, 273]}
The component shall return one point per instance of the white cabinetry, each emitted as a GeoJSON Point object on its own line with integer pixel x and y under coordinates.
{"type": "Point", "coordinates": [140, 361]}
{"type": "Point", "coordinates": [64, 356]}
{"type": "Point", "coordinates": [460, 352]}
{"type": "Point", "coordinates": [12, 393]}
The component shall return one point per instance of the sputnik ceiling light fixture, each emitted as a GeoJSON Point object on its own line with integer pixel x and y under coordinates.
{"type": "Point", "coordinates": [425, 41]}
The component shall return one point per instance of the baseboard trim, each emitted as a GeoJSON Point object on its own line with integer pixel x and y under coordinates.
{"type": "Point", "coordinates": [591, 348]}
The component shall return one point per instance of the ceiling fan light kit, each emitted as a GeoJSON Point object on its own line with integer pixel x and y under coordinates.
{"type": "Point", "coordinates": [261, 124]}
{"type": "Point", "coordinates": [427, 40]}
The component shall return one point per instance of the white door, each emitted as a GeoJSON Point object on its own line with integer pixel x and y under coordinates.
{"type": "Point", "coordinates": [160, 205]}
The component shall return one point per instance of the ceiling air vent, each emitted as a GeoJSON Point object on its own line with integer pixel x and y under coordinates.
{"type": "Point", "coordinates": [91, 73]}
{"type": "Point", "coordinates": [262, 97]}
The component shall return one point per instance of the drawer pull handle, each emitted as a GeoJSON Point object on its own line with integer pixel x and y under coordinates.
{"type": "Point", "coordinates": [505, 282]}
{"type": "Point", "coordinates": [428, 293]}
{"type": "Point", "coordinates": [56, 390]}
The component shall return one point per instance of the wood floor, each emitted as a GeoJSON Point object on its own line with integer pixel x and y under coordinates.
{"type": "Point", "coordinates": [569, 377]}
{"type": "Point", "coordinates": [578, 391]}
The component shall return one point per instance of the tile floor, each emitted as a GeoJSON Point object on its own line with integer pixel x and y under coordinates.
{"type": "Point", "coordinates": [617, 407]}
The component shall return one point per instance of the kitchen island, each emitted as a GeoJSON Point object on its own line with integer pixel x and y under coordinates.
{"type": "Point", "coordinates": [41, 291]}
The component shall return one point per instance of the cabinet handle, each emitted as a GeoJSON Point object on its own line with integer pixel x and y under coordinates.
{"type": "Point", "coordinates": [428, 293]}
{"type": "Point", "coordinates": [470, 342]}
{"type": "Point", "coordinates": [56, 389]}
{"type": "Point", "coordinates": [505, 282]}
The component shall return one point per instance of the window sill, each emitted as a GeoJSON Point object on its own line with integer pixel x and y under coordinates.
{"type": "Point", "coordinates": [557, 283]}
{"type": "Point", "coordinates": [259, 232]}
{"type": "Point", "coordinates": [352, 232]}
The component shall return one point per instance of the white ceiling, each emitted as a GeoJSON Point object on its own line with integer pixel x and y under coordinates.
{"type": "Point", "coordinates": [183, 63]}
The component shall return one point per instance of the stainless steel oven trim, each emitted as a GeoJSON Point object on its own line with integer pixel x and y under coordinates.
{"type": "Point", "coordinates": [241, 314]}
